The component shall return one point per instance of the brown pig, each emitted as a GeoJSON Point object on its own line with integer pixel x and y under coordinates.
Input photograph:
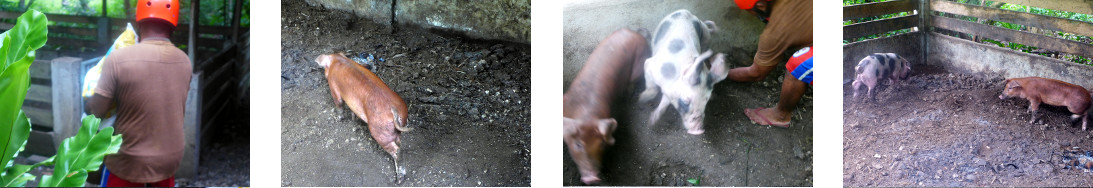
{"type": "Point", "coordinates": [1049, 91]}
{"type": "Point", "coordinates": [615, 62]}
{"type": "Point", "coordinates": [369, 98]}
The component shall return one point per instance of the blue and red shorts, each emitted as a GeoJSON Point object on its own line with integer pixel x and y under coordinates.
{"type": "Point", "coordinates": [800, 65]}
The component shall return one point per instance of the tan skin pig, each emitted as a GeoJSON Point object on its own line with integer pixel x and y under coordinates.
{"type": "Point", "coordinates": [588, 125]}
{"type": "Point", "coordinates": [1049, 91]}
{"type": "Point", "coordinates": [369, 98]}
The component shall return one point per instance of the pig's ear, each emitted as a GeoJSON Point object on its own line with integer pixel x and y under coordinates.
{"type": "Point", "coordinates": [607, 127]}
{"type": "Point", "coordinates": [323, 60]}
{"type": "Point", "coordinates": [718, 71]}
{"type": "Point", "coordinates": [711, 25]}
{"type": "Point", "coordinates": [569, 126]}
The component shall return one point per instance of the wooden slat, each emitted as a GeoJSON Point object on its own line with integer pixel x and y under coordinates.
{"type": "Point", "coordinates": [877, 9]}
{"type": "Point", "coordinates": [72, 19]}
{"type": "Point", "coordinates": [1077, 6]}
{"type": "Point", "coordinates": [39, 116]}
{"type": "Point", "coordinates": [1022, 18]}
{"type": "Point", "coordinates": [879, 26]}
{"type": "Point", "coordinates": [39, 69]}
{"type": "Point", "coordinates": [73, 30]}
{"type": "Point", "coordinates": [1007, 35]}
{"type": "Point", "coordinates": [10, 15]}
{"type": "Point", "coordinates": [42, 93]}
{"type": "Point", "coordinates": [74, 42]}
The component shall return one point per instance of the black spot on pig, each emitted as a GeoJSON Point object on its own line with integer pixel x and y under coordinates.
{"type": "Point", "coordinates": [675, 46]}
{"type": "Point", "coordinates": [668, 70]}
{"type": "Point", "coordinates": [683, 107]}
{"type": "Point", "coordinates": [660, 31]}
{"type": "Point", "coordinates": [677, 15]}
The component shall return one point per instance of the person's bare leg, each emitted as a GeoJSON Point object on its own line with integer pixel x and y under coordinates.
{"type": "Point", "coordinates": [792, 90]}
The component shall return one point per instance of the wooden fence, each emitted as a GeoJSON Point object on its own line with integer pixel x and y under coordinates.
{"type": "Point", "coordinates": [937, 20]}
{"type": "Point", "coordinates": [89, 36]}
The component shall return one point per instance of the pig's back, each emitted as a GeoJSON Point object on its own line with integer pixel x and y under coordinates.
{"type": "Point", "coordinates": [358, 83]}
{"type": "Point", "coordinates": [1071, 93]}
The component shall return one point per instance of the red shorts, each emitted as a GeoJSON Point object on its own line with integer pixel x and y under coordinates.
{"type": "Point", "coordinates": [115, 181]}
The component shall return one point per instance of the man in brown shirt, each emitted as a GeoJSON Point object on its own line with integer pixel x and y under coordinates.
{"type": "Point", "coordinates": [789, 27]}
{"type": "Point", "coordinates": [148, 81]}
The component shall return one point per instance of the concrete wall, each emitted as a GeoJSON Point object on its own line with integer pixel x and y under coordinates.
{"type": "Point", "coordinates": [964, 56]}
{"type": "Point", "coordinates": [906, 45]}
{"type": "Point", "coordinates": [585, 23]}
{"type": "Point", "coordinates": [508, 20]}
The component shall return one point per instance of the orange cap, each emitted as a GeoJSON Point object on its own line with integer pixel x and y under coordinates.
{"type": "Point", "coordinates": [166, 10]}
{"type": "Point", "coordinates": [746, 4]}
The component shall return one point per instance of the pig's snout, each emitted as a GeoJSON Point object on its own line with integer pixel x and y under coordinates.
{"type": "Point", "coordinates": [590, 180]}
{"type": "Point", "coordinates": [1003, 97]}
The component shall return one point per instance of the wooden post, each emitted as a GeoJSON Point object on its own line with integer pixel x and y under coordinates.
{"type": "Point", "coordinates": [924, 29]}
{"type": "Point", "coordinates": [236, 17]}
{"type": "Point", "coordinates": [103, 28]}
{"type": "Point", "coordinates": [65, 74]}
{"type": "Point", "coordinates": [128, 10]}
{"type": "Point", "coordinates": [191, 47]}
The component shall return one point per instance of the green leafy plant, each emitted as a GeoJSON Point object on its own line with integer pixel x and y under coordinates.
{"type": "Point", "coordinates": [77, 155]}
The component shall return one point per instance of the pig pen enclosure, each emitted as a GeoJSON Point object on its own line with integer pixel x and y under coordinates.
{"type": "Point", "coordinates": [945, 125]}
{"type": "Point", "coordinates": [732, 151]}
{"type": "Point", "coordinates": [469, 104]}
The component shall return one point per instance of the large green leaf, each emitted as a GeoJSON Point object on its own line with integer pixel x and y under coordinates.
{"type": "Point", "coordinates": [17, 176]}
{"type": "Point", "coordinates": [17, 133]}
{"type": "Point", "coordinates": [16, 53]}
{"type": "Point", "coordinates": [81, 153]}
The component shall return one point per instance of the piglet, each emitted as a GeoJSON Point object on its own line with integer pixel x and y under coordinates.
{"type": "Point", "coordinates": [682, 69]}
{"type": "Point", "coordinates": [1049, 91]}
{"type": "Point", "coordinates": [877, 67]}
{"type": "Point", "coordinates": [587, 123]}
{"type": "Point", "coordinates": [369, 98]}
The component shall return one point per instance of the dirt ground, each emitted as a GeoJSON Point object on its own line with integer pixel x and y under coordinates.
{"type": "Point", "coordinates": [225, 159]}
{"type": "Point", "coordinates": [732, 152]}
{"type": "Point", "coordinates": [468, 102]}
{"type": "Point", "coordinates": [951, 129]}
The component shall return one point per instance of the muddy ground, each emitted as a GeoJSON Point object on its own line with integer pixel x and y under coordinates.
{"type": "Point", "coordinates": [468, 102]}
{"type": "Point", "coordinates": [951, 129]}
{"type": "Point", "coordinates": [732, 152]}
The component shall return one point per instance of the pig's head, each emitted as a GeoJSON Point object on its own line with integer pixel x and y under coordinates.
{"type": "Point", "coordinates": [586, 140]}
{"type": "Point", "coordinates": [1013, 89]}
{"type": "Point", "coordinates": [904, 69]}
{"type": "Point", "coordinates": [694, 90]}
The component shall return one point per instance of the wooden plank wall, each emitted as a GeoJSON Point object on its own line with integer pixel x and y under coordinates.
{"type": "Point", "coordinates": [878, 26]}
{"type": "Point", "coordinates": [84, 39]}
{"type": "Point", "coordinates": [1021, 18]}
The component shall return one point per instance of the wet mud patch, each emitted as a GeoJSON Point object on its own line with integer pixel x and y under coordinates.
{"type": "Point", "coordinates": [951, 129]}
{"type": "Point", "coordinates": [469, 105]}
